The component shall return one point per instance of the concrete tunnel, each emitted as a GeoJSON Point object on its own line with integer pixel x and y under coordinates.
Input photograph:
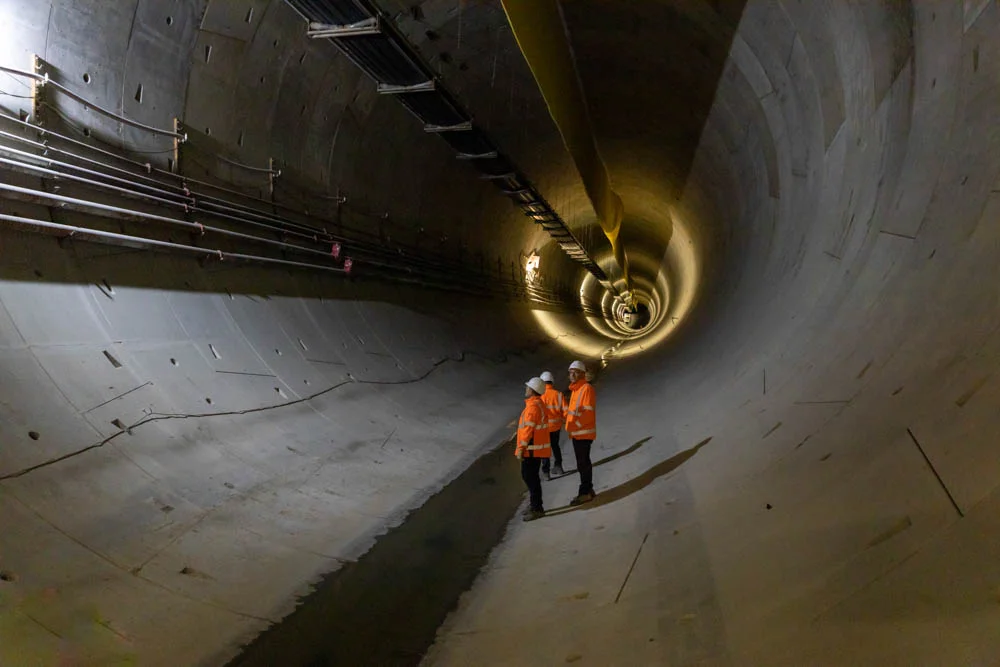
{"type": "Point", "coordinates": [207, 413]}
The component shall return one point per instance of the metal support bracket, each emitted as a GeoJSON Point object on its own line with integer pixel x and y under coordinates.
{"type": "Point", "coordinates": [36, 90]}
{"type": "Point", "coordinates": [272, 174]}
{"type": "Point", "coordinates": [460, 127]}
{"type": "Point", "coordinates": [389, 89]}
{"type": "Point", "coordinates": [477, 156]}
{"type": "Point", "coordinates": [175, 164]}
{"type": "Point", "coordinates": [370, 26]}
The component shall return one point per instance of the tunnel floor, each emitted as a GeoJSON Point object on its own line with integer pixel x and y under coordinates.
{"type": "Point", "coordinates": [385, 608]}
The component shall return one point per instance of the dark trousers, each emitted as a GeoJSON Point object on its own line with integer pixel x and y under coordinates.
{"type": "Point", "coordinates": [556, 452]}
{"type": "Point", "coordinates": [581, 448]}
{"type": "Point", "coordinates": [529, 473]}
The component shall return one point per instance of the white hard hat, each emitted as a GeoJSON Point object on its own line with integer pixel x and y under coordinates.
{"type": "Point", "coordinates": [547, 377]}
{"type": "Point", "coordinates": [578, 366]}
{"type": "Point", "coordinates": [536, 385]}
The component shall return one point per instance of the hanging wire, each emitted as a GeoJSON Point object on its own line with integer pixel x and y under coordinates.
{"type": "Point", "coordinates": [22, 97]}
{"type": "Point", "coordinates": [84, 131]}
{"type": "Point", "coordinates": [20, 82]}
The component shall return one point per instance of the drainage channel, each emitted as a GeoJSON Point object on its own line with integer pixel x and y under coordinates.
{"type": "Point", "coordinates": [385, 608]}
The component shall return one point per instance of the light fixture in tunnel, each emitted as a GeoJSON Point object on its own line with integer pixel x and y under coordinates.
{"type": "Point", "coordinates": [531, 264]}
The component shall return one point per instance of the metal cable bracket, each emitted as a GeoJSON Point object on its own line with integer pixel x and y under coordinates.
{"type": "Point", "coordinates": [371, 26]}
{"type": "Point", "coordinates": [389, 89]}
{"type": "Point", "coordinates": [458, 127]}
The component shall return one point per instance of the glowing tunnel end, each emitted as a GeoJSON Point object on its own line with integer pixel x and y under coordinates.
{"type": "Point", "coordinates": [617, 327]}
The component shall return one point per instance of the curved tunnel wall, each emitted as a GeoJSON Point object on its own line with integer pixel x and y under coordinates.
{"type": "Point", "coordinates": [198, 521]}
{"type": "Point", "coordinates": [186, 448]}
{"type": "Point", "coordinates": [842, 194]}
{"type": "Point", "coordinates": [820, 486]}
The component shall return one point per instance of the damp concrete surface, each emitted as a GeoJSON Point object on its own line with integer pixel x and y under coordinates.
{"type": "Point", "coordinates": [385, 608]}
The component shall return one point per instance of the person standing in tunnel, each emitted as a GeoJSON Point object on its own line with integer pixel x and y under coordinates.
{"type": "Point", "coordinates": [555, 415]}
{"type": "Point", "coordinates": [581, 424]}
{"type": "Point", "coordinates": [533, 445]}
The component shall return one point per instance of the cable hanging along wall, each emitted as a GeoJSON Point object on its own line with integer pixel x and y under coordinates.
{"type": "Point", "coordinates": [55, 157]}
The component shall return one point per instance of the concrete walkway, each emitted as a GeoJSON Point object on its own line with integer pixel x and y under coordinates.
{"type": "Point", "coordinates": [694, 553]}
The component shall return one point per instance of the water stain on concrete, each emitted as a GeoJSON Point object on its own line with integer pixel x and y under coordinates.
{"type": "Point", "coordinates": [385, 608]}
{"type": "Point", "coordinates": [967, 396]}
{"type": "Point", "coordinates": [773, 429]}
{"type": "Point", "coordinates": [891, 532]}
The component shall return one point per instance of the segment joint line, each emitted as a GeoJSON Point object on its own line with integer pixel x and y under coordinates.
{"type": "Point", "coordinates": [631, 567]}
{"type": "Point", "coordinates": [934, 470]}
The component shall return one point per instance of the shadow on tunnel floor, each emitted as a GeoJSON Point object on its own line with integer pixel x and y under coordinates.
{"type": "Point", "coordinates": [608, 459]}
{"type": "Point", "coordinates": [634, 485]}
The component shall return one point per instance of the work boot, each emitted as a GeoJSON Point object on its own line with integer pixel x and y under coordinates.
{"type": "Point", "coordinates": [532, 515]}
{"type": "Point", "coordinates": [581, 499]}
{"type": "Point", "coordinates": [546, 475]}
{"type": "Point", "coordinates": [558, 471]}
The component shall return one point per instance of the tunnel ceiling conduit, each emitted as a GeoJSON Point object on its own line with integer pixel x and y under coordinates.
{"type": "Point", "coordinates": [540, 31]}
{"type": "Point", "coordinates": [71, 232]}
{"type": "Point", "coordinates": [397, 264]}
{"type": "Point", "coordinates": [29, 195]}
{"type": "Point", "coordinates": [392, 265]}
{"type": "Point", "coordinates": [14, 193]}
{"type": "Point", "coordinates": [359, 30]}
{"type": "Point", "coordinates": [205, 203]}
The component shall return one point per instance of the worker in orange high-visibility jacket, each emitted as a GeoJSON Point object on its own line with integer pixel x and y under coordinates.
{"type": "Point", "coordinates": [581, 424]}
{"type": "Point", "coordinates": [533, 445]}
{"type": "Point", "coordinates": [555, 415]}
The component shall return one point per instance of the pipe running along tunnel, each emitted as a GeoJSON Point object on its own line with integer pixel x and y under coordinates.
{"type": "Point", "coordinates": [274, 274]}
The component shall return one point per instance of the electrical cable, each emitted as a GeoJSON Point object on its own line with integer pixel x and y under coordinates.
{"type": "Point", "coordinates": [154, 417]}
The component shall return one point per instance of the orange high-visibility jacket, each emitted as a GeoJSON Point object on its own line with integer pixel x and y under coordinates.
{"type": "Point", "coordinates": [581, 416]}
{"type": "Point", "coordinates": [555, 408]}
{"type": "Point", "coordinates": [532, 431]}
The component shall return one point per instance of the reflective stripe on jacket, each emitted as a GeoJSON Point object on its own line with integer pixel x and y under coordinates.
{"type": "Point", "coordinates": [581, 415]}
{"type": "Point", "coordinates": [532, 431]}
{"type": "Point", "coordinates": [555, 408]}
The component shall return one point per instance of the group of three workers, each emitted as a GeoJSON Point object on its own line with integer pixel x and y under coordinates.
{"type": "Point", "coordinates": [545, 413]}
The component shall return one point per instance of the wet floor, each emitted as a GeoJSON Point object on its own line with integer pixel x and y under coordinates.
{"type": "Point", "coordinates": [385, 608]}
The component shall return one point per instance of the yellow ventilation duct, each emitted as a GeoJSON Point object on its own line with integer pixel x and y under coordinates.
{"type": "Point", "coordinates": [540, 31]}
